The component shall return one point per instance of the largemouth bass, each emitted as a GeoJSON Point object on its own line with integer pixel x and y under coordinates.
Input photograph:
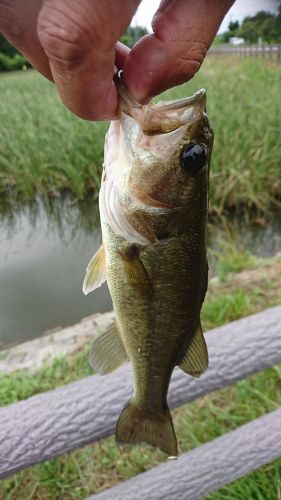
{"type": "Point", "coordinates": [153, 208]}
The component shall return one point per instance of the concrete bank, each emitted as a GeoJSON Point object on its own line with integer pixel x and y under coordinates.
{"type": "Point", "coordinates": [32, 354]}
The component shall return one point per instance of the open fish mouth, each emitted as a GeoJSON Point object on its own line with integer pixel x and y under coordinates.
{"type": "Point", "coordinates": [175, 104]}
{"type": "Point", "coordinates": [161, 117]}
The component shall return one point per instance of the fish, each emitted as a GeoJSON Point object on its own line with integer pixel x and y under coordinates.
{"type": "Point", "coordinates": [153, 205]}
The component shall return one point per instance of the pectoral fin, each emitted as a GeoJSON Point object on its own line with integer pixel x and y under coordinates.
{"type": "Point", "coordinates": [136, 273]}
{"type": "Point", "coordinates": [96, 272]}
{"type": "Point", "coordinates": [107, 352]}
{"type": "Point", "coordinates": [195, 360]}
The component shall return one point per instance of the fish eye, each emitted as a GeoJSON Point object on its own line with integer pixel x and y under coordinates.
{"type": "Point", "coordinates": [194, 157]}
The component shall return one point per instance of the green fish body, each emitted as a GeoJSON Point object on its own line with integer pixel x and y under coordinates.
{"type": "Point", "coordinates": [153, 207]}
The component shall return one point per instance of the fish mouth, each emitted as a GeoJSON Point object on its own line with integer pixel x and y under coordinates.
{"type": "Point", "coordinates": [176, 104]}
{"type": "Point", "coordinates": [162, 117]}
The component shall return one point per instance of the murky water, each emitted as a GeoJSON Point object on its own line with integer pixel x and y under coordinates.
{"type": "Point", "coordinates": [44, 251]}
{"type": "Point", "coordinates": [45, 248]}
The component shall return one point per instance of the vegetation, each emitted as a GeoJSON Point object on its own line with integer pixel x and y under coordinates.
{"type": "Point", "coordinates": [45, 149]}
{"type": "Point", "coordinates": [246, 163]}
{"type": "Point", "coordinates": [10, 58]}
{"type": "Point", "coordinates": [103, 464]}
{"type": "Point", "coordinates": [133, 34]}
{"type": "Point", "coordinates": [263, 25]}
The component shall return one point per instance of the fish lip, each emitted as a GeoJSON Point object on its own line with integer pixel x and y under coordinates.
{"type": "Point", "coordinates": [199, 96]}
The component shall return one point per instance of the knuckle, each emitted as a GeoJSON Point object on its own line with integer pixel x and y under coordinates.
{"type": "Point", "coordinates": [191, 58]}
{"type": "Point", "coordinates": [63, 38]}
{"type": "Point", "coordinates": [187, 69]}
{"type": "Point", "coordinates": [187, 45]}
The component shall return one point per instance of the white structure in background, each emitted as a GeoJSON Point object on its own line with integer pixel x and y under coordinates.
{"type": "Point", "coordinates": [236, 40]}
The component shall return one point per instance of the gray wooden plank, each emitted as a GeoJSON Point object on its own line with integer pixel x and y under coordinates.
{"type": "Point", "coordinates": [80, 413]}
{"type": "Point", "coordinates": [208, 467]}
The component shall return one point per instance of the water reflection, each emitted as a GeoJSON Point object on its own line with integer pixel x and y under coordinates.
{"type": "Point", "coordinates": [45, 247]}
{"type": "Point", "coordinates": [61, 214]}
{"type": "Point", "coordinates": [44, 250]}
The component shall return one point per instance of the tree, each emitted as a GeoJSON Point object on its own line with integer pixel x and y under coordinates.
{"type": "Point", "coordinates": [264, 25]}
{"type": "Point", "coordinates": [6, 48]}
{"type": "Point", "coordinates": [10, 58]}
{"type": "Point", "coordinates": [233, 26]}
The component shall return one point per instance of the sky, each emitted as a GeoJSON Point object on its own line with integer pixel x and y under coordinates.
{"type": "Point", "coordinates": [239, 10]}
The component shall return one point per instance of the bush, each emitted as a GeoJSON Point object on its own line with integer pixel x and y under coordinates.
{"type": "Point", "coordinates": [12, 63]}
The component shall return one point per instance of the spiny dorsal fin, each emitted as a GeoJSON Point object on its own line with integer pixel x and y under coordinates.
{"type": "Point", "coordinates": [136, 273]}
{"type": "Point", "coordinates": [107, 352]}
{"type": "Point", "coordinates": [195, 360]}
{"type": "Point", "coordinates": [95, 272]}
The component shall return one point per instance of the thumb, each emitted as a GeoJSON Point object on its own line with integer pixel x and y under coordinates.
{"type": "Point", "coordinates": [183, 30]}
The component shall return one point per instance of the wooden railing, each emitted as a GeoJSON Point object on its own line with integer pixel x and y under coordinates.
{"type": "Point", "coordinates": [267, 51]}
{"type": "Point", "coordinates": [52, 423]}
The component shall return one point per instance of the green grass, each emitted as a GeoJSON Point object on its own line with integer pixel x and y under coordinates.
{"type": "Point", "coordinates": [231, 260]}
{"type": "Point", "coordinates": [44, 148]}
{"type": "Point", "coordinates": [244, 109]}
{"type": "Point", "coordinates": [20, 385]}
{"type": "Point", "coordinates": [103, 464]}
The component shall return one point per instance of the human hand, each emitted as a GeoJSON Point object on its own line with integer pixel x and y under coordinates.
{"type": "Point", "coordinates": [75, 45]}
{"type": "Point", "coordinates": [183, 31]}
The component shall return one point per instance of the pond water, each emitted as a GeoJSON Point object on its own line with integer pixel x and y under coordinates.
{"type": "Point", "coordinates": [45, 247]}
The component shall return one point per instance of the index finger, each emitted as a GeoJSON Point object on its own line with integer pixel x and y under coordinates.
{"type": "Point", "coordinates": [80, 45]}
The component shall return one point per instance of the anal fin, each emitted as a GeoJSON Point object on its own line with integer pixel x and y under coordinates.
{"type": "Point", "coordinates": [107, 352]}
{"type": "Point", "coordinates": [96, 272]}
{"type": "Point", "coordinates": [195, 360]}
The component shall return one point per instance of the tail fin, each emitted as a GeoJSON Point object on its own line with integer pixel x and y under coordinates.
{"type": "Point", "coordinates": [136, 426]}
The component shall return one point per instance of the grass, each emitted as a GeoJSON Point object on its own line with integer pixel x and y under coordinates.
{"type": "Point", "coordinates": [246, 162]}
{"type": "Point", "coordinates": [44, 148]}
{"type": "Point", "coordinates": [103, 464]}
{"type": "Point", "coordinates": [229, 260]}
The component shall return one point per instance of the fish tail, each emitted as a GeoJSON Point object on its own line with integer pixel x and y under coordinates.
{"type": "Point", "coordinates": [135, 425]}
